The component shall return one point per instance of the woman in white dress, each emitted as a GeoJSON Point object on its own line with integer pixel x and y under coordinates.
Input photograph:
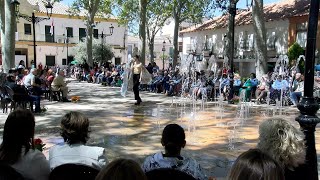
{"type": "Point", "coordinates": [17, 147]}
{"type": "Point", "coordinates": [173, 139]}
{"type": "Point", "coordinates": [75, 132]}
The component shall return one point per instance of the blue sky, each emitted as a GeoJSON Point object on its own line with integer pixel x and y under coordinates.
{"type": "Point", "coordinates": [241, 4]}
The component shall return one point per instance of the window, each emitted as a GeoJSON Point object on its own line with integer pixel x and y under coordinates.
{"type": "Point", "coordinates": [117, 61]}
{"type": "Point", "coordinates": [69, 32]}
{"type": "Point", "coordinates": [82, 34]}
{"type": "Point", "coordinates": [49, 33]}
{"type": "Point", "coordinates": [243, 40]}
{"type": "Point", "coordinates": [250, 43]}
{"type": "Point", "coordinates": [64, 61]}
{"type": "Point", "coordinates": [171, 51]}
{"type": "Point", "coordinates": [302, 34]}
{"type": "Point", "coordinates": [206, 44]}
{"type": "Point", "coordinates": [180, 46]}
{"type": "Point", "coordinates": [95, 33]}
{"type": "Point", "coordinates": [50, 60]}
{"type": "Point", "coordinates": [130, 49]}
{"type": "Point", "coordinates": [271, 40]}
{"type": "Point", "coordinates": [27, 29]}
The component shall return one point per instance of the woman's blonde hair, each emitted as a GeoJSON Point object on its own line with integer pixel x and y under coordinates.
{"type": "Point", "coordinates": [283, 141]}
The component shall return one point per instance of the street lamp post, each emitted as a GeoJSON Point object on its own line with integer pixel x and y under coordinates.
{"type": "Point", "coordinates": [163, 50]}
{"type": "Point", "coordinates": [102, 40]}
{"type": "Point", "coordinates": [308, 106]}
{"type": "Point", "coordinates": [34, 20]}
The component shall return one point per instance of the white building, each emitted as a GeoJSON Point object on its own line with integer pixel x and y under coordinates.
{"type": "Point", "coordinates": [209, 37]}
{"type": "Point", "coordinates": [51, 46]}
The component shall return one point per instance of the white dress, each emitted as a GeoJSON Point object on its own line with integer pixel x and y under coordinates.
{"type": "Point", "coordinates": [77, 154]}
{"type": "Point", "coordinates": [33, 165]}
{"type": "Point", "coordinates": [187, 165]}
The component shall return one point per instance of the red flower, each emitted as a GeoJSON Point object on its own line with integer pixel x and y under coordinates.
{"type": "Point", "coordinates": [38, 141]}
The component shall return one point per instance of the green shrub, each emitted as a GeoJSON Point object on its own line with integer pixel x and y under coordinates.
{"type": "Point", "coordinates": [295, 51]}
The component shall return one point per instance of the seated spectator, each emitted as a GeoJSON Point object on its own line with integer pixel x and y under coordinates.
{"type": "Point", "coordinates": [236, 84]}
{"type": "Point", "coordinates": [247, 88]}
{"type": "Point", "coordinates": [58, 84]}
{"type": "Point", "coordinates": [173, 139]}
{"type": "Point", "coordinates": [298, 90]}
{"type": "Point", "coordinates": [17, 147]}
{"type": "Point", "coordinates": [278, 86]}
{"type": "Point", "coordinates": [224, 85]}
{"type": "Point", "coordinates": [29, 80]}
{"type": "Point", "coordinates": [262, 88]}
{"type": "Point", "coordinates": [254, 84]}
{"type": "Point", "coordinates": [255, 165]}
{"type": "Point", "coordinates": [122, 169]}
{"type": "Point", "coordinates": [75, 132]}
{"type": "Point", "coordinates": [285, 144]}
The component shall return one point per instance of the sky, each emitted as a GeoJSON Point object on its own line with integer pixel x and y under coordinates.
{"type": "Point", "coordinates": [241, 4]}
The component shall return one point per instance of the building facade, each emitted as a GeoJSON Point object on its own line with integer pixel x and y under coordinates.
{"type": "Point", "coordinates": [57, 37]}
{"type": "Point", "coordinates": [285, 24]}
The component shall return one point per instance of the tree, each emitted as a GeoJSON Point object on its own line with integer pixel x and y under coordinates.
{"type": "Point", "coordinates": [187, 10]}
{"type": "Point", "coordinates": [91, 8]}
{"type": "Point", "coordinates": [8, 21]}
{"type": "Point", "coordinates": [2, 27]}
{"type": "Point", "coordinates": [157, 15]}
{"type": "Point", "coordinates": [142, 28]}
{"type": "Point", "coordinates": [260, 37]}
{"type": "Point", "coordinates": [100, 53]}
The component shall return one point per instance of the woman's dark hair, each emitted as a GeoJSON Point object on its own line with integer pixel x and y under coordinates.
{"type": "Point", "coordinates": [75, 128]}
{"type": "Point", "coordinates": [255, 165]}
{"type": "Point", "coordinates": [137, 56]}
{"type": "Point", "coordinates": [173, 138]}
{"type": "Point", "coordinates": [122, 169]}
{"type": "Point", "coordinates": [18, 132]}
{"type": "Point", "coordinates": [253, 75]}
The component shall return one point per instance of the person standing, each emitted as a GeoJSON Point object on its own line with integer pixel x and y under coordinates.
{"type": "Point", "coordinates": [137, 69]}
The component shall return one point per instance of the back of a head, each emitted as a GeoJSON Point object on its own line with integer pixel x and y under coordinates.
{"type": "Point", "coordinates": [75, 128]}
{"type": "Point", "coordinates": [255, 165]}
{"type": "Point", "coordinates": [122, 169]}
{"type": "Point", "coordinates": [18, 132]}
{"type": "Point", "coordinates": [283, 141]}
{"type": "Point", "coordinates": [173, 138]}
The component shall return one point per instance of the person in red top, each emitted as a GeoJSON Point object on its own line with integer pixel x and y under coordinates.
{"type": "Point", "coordinates": [40, 66]}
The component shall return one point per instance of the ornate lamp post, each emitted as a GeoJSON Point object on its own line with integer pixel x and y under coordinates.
{"type": "Point", "coordinates": [308, 106]}
{"type": "Point", "coordinates": [34, 20]}
{"type": "Point", "coordinates": [163, 50]}
{"type": "Point", "coordinates": [102, 40]}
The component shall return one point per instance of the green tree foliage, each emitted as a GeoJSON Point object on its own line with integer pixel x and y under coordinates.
{"type": "Point", "coordinates": [91, 9]}
{"type": "Point", "coordinates": [157, 15]}
{"type": "Point", "coordinates": [295, 51]}
{"type": "Point", "coordinates": [100, 53]}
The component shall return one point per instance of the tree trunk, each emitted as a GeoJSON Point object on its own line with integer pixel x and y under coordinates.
{"type": "Point", "coordinates": [151, 49]}
{"type": "Point", "coordinates": [142, 29]}
{"type": "Point", "coordinates": [9, 49]}
{"type": "Point", "coordinates": [175, 39]}
{"type": "Point", "coordinates": [2, 27]}
{"type": "Point", "coordinates": [260, 38]}
{"type": "Point", "coordinates": [89, 41]}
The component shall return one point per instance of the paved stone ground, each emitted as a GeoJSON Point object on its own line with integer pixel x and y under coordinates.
{"type": "Point", "coordinates": [126, 130]}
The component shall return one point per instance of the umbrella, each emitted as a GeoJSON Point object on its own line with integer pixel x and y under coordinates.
{"type": "Point", "coordinates": [74, 62]}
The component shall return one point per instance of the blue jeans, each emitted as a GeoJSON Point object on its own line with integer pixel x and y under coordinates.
{"type": "Point", "coordinates": [295, 97]}
{"type": "Point", "coordinates": [36, 100]}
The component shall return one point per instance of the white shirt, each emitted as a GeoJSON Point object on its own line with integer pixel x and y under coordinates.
{"type": "Point", "coordinates": [77, 154]}
{"type": "Point", "coordinates": [33, 165]}
{"type": "Point", "coordinates": [187, 165]}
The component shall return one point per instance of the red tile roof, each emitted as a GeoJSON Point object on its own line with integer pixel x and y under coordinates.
{"type": "Point", "coordinates": [282, 10]}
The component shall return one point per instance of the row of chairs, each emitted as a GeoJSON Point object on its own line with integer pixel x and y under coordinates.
{"type": "Point", "coordinates": [81, 172]}
{"type": "Point", "coordinates": [19, 100]}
